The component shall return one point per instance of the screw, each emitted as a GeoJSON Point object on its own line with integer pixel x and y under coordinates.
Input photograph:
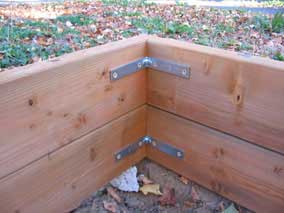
{"type": "Point", "coordinates": [118, 157]}
{"type": "Point", "coordinates": [147, 140]}
{"type": "Point", "coordinates": [140, 143]}
{"type": "Point", "coordinates": [179, 154]}
{"type": "Point", "coordinates": [184, 72]}
{"type": "Point", "coordinates": [147, 62]}
{"type": "Point", "coordinates": [114, 75]}
{"type": "Point", "coordinates": [139, 65]}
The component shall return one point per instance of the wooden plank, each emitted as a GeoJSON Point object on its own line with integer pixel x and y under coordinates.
{"type": "Point", "coordinates": [58, 182]}
{"type": "Point", "coordinates": [241, 96]}
{"type": "Point", "coordinates": [50, 104]}
{"type": "Point", "coordinates": [243, 172]}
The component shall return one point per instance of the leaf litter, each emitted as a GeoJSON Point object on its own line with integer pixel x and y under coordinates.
{"type": "Point", "coordinates": [163, 192]}
{"type": "Point", "coordinates": [30, 33]}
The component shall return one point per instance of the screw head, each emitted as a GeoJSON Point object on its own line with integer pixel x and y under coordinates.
{"type": "Point", "coordinates": [184, 72]}
{"type": "Point", "coordinates": [147, 61]}
{"type": "Point", "coordinates": [139, 65]}
{"type": "Point", "coordinates": [179, 154]}
{"type": "Point", "coordinates": [147, 140]}
{"type": "Point", "coordinates": [140, 143]}
{"type": "Point", "coordinates": [114, 75]}
{"type": "Point", "coordinates": [118, 157]}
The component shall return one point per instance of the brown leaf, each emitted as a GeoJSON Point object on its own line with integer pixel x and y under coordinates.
{"type": "Point", "coordinates": [110, 206]}
{"type": "Point", "coordinates": [221, 206]}
{"type": "Point", "coordinates": [168, 197]}
{"type": "Point", "coordinates": [184, 180]}
{"type": "Point", "coordinates": [111, 191]}
{"type": "Point", "coordinates": [145, 180]}
{"type": "Point", "coordinates": [151, 188]}
{"type": "Point", "coordinates": [189, 203]}
{"type": "Point", "coordinates": [194, 195]}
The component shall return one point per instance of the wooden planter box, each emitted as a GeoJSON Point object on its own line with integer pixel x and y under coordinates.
{"type": "Point", "coordinates": [62, 121]}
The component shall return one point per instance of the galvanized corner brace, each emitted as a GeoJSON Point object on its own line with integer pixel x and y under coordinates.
{"type": "Point", "coordinates": [181, 70]}
{"type": "Point", "coordinates": [148, 140]}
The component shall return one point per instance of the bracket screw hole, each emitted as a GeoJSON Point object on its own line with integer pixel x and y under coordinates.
{"type": "Point", "coordinates": [179, 154]}
{"type": "Point", "coordinates": [139, 65]}
{"type": "Point", "coordinates": [114, 75]}
{"type": "Point", "coordinates": [184, 72]}
{"type": "Point", "coordinates": [118, 157]}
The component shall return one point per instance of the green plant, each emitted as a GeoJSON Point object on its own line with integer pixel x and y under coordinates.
{"type": "Point", "coordinates": [223, 28]}
{"type": "Point", "coordinates": [176, 28]}
{"type": "Point", "coordinates": [78, 19]}
{"type": "Point", "coordinates": [124, 3]}
{"type": "Point", "coordinates": [127, 33]}
{"type": "Point", "coordinates": [278, 56]}
{"type": "Point", "coordinates": [16, 33]}
{"type": "Point", "coordinates": [130, 13]}
{"type": "Point", "coordinates": [273, 3]}
{"type": "Point", "coordinates": [181, 3]}
{"type": "Point", "coordinates": [278, 23]}
{"type": "Point", "coordinates": [158, 25]}
{"type": "Point", "coordinates": [203, 40]}
{"type": "Point", "coordinates": [150, 25]}
{"type": "Point", "coordinates": [261, 23]}
{"type": "Point", "coordinates": [245, 46]}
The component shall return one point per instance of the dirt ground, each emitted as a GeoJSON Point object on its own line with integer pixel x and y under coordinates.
{"type": "Point", "coordinates": [188, 196]}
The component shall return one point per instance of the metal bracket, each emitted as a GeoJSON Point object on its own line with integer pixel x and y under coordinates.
{"type": "Point", "coordinates": [148, 140]}
{"type": "Point", "coordinates": [130, 149]}
{"type": "Point", "coordinates": [181, 70]}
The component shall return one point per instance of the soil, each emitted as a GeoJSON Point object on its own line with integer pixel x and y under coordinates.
{"type": "Point", "coordinates": [208, 202]}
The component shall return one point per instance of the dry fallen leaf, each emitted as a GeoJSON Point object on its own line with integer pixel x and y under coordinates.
{"type": "Point", "coordinates": [110, 206]}
{"type": "Point", "coordinates": [168, 197]}
{"type": "Point", "coordinates": [194, 195]}
{"type": "Point", "coordinates": [189, 203]}
{"type": "Point", "coordinates": [94, 206]}
{"type": "Point", "coordinates": [221, 206]}
{"type": "Point", "coordinates": [145, 180]}
{"type": "Point", "coordinates": [111, 191]}
{"type": "Point", "coordinates": [151, 188]}
{"type": "Point", "coordinates": [184, 180]}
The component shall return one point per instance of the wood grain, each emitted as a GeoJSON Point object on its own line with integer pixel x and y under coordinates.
{"type": "Point", "coordinates": [50, 104]}
{"type": "Point", "coordinates": [243, 96]}
{"type": "Point", "coordinates": [59, 181]}
{"type": "Point", "coordinates": [243, 172]}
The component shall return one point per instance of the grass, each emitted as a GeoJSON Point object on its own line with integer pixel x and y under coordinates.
{"type": "Point", "coordinates": [278, 23]}
{"type": "Point", "coordinates": [26, 40]}
{"type": "Point", "coordinates": [125, 3]}
{"type": "Point", "coordinates": [158, 25]}
{"type": "Point", "coordinates": [273, 3]}
{"type": "Point", "coordinates": [77, 20]}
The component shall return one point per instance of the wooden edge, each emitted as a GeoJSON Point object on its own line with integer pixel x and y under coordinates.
{"type": "Point", "coordinates": [60, 180]}
{"type": "Point", "coordinates": [239, 96]}
{"type": "Point", "coordinates": [226, 54]}
{"type": "Point", "coordinates": [42, 66]}
{"type": "Point", "coordinates": [245, 173]}
{"type": "Point", "coordinates": [53, 105]}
